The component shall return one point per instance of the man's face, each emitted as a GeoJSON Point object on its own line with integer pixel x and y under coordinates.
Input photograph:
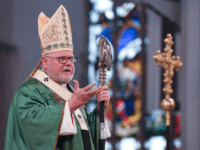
{"type": "Point", "coordinates": [60, 73]}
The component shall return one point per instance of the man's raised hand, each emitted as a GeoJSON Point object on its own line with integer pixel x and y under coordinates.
{"type": "Point", "coordinates": [82, 95]}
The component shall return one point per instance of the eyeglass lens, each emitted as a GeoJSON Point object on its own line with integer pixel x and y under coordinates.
{"type": "Point", "coordinates": [65, 59]}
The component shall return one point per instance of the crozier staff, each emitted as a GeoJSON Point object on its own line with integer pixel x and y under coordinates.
{"type": "Point", "coordinates": [46, 113]}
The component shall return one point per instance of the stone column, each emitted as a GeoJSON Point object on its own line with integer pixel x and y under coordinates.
{"type": "Point", "coordinates": [153, 72]}
{"type": "Point", "coordinates": [189, 75]}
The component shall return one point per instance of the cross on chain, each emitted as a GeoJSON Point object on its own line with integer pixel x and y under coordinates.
{"type": "Point", "coordinates": [169, 63]}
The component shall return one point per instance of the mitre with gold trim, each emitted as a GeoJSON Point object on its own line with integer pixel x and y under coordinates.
{"type": "Point", "coordinates": [55, 33]}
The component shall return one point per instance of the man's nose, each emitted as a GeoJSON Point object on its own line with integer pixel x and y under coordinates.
{"type": "Point", "coordinates": [68, 63]}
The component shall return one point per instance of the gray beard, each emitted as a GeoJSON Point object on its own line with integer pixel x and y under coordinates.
{"type": "Point", "coordinates": [66, 81]}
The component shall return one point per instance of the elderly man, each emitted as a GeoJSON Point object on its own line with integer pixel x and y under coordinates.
{"type": "Point", "coordinates": [46, 112]}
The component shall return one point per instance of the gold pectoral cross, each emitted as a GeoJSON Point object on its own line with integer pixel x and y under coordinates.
{"type": "Point", "coordinates": [169, 63]}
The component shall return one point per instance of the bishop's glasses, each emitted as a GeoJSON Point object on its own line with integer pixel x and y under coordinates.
{"type": "Point", "coordinates": [63, 60]}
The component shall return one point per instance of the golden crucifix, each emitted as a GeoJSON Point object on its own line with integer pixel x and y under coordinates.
{"type": "Point", "coordinates": [169, 63]}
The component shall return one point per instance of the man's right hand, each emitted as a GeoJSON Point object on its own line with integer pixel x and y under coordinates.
{"type": "Point", "coordinates": [81, 95]}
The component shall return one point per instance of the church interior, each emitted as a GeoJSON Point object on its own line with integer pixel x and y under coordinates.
{"type": "Point", "coordinates": [137, 29]}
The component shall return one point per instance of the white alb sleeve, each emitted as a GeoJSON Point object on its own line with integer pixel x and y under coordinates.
{"type": "Point", "coordinates": [67, 127]}
{"type": "Point", "coordinates": [106, 132]}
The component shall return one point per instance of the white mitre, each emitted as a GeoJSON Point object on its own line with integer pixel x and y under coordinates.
{"type": "Point", "coordinates": [55, 33]}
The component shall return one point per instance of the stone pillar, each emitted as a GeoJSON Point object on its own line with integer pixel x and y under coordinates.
{"type": "Point", "coordinates": [153, 72]}
{"type": "Point", "coordinates": [6, 51]}
{"type": "Point", "coordinates": [189, 75]}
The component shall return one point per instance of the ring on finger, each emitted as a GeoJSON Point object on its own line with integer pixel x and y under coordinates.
{"type": "Point", "coordinates": [91, 95]}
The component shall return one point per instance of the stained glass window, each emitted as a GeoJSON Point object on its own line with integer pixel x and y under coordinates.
{"type": "Point", "coordinates": [128, 65]}
{"type": "Point", "coordinates": [129, 71]}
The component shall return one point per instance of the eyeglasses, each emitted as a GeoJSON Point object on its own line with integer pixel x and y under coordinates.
{"type": "Point", "coordinates": [63, 60]}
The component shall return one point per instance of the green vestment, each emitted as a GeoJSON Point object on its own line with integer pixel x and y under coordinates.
{"type": "Point", "coordinates": [35, 117]}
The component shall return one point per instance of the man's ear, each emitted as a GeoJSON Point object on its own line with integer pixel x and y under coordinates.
{"type": "Point", "coordinates": [44, 63]}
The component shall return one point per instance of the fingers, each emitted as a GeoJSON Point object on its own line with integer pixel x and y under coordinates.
{"type": "Point", "coordinates": [95, 91]}
{"type": "Point", "coordinates": [76, 84]}
{"type": "Point", "coordinates": [105, 88]}
{"type": "Point", "coordinates": [103, 93]}
{"type": "Point", "coordinates": [103, 98]}
{"type": "Point", "coordinates": [89, 86]}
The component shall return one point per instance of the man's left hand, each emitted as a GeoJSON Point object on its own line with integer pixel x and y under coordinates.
{"type": "Point", "coordinates": [103, 95]}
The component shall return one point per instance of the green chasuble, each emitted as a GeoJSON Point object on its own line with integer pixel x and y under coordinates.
{"type": "Point", "coordinates": [35, 117]}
